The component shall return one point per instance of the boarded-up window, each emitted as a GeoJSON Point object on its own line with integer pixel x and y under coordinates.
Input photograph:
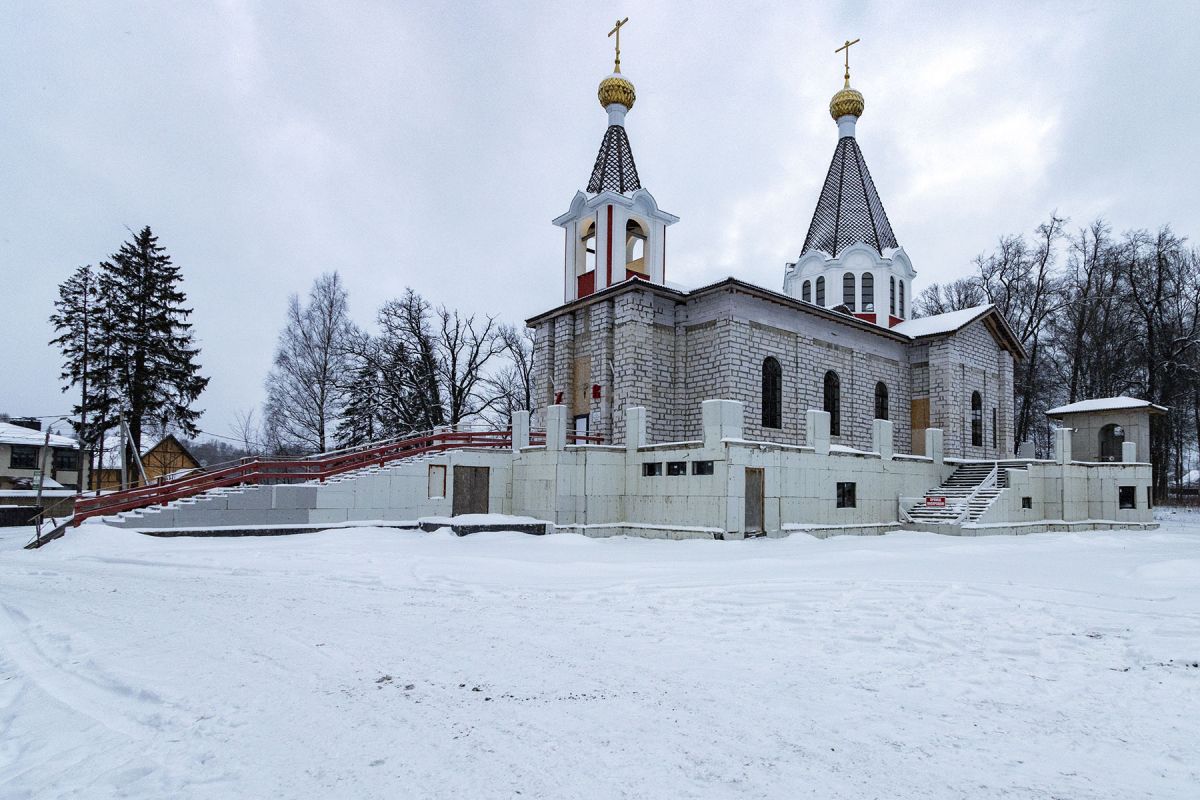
{"type": "Point", "coordinates": [581, 397]}
{"type": "Point", "coordinates": [437, 480]}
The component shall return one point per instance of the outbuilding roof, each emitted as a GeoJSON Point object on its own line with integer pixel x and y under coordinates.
{"type": "Point", "coordinates": [15, 434]}
{"type": "Point", "coordinates": [1106, 404]}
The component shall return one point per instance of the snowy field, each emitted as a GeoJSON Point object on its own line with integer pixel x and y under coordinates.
{"type": "Point", "coordinates": [369, 663]}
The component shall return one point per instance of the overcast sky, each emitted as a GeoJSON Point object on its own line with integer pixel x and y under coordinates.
{"type": "Point", "coordinates": [430, 147]}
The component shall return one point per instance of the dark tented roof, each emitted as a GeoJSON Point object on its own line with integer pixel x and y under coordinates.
{"type": "Point", "coordinates": [849, 211]}
{"type": "Point", "coordinates": [614, 170]}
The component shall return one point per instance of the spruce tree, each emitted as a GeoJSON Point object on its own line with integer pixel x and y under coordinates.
{"type": "Point", "coordinates": [84, 327]}
{"type": "Point", "coordinates": [154, 355]}
{"type": "Point", "coordinates": [360, 422]}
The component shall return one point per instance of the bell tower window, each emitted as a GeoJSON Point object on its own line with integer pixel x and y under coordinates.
{"type": "Point", "coordinates": [589, 248]}
{"type": "Point", "coordinates": [635, 248]}
{"type": "Point", "coordinates": [892, 293]}
{"type": "Point", "coordinates": [868, 292]}
{"type": "Point", "coordinates": [806, 292]}
{"type": "Point", "coordinates": [821, 291]}
{"type": "Point", "coordinates": [848, 290]}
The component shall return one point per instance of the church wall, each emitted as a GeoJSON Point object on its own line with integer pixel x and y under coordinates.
{"type": "Point", "coordinates": [806, 347]}
{"type": "Point", "coordinates": [960, 364]}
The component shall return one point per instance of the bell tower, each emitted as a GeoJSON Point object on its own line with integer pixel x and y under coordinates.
{"type": "Point", "coordinates": [615, 230]}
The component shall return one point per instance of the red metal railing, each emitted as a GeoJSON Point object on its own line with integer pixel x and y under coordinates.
{"type": "Point", "coordinates": [263, 470]}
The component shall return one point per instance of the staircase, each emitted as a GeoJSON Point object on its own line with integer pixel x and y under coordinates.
{"type": "Point", "coordinates": [969, 491]}
{"type": "Point", "coordinates": [248, 476]}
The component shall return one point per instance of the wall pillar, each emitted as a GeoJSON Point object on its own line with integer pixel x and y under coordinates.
{"type": "Point", "coordinates": [520, 430]}
{"type": "Point", "coordinates": [934, 447]}
{"type": "Point", "coordinates": [556, 427]}
{"type": "Point", "coordinates": [721, 419]}
{"type": "Point", "coordinates": [816, 425]}
{"type": "Point", "coordinates": [635, 428]}
{"type": "Point", "coordinates": [882, 438]}
{"type": "Point", "coordinates": [1062, 445]}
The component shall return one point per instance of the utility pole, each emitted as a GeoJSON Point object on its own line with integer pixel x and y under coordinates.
{"type": "Point", "coordinates": [124, 451]}
{"type": "Point", "coordinates": [41, 481]}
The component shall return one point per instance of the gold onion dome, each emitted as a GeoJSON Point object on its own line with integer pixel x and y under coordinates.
{"type": "Point", "coordinates": [616, 89]}
{"type": "Point", "coordinates": [847, 101]}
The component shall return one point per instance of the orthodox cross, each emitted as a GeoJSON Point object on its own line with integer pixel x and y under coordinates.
{"type": "Point", "coordinates": [617, 30]}
{"type": "Point", "coordinates": [846, 47]}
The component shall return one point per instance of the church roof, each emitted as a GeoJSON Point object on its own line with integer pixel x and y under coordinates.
{"type": "Point", "coordinates": [614, 170]}
{"type": "Point", "coordinates": [848, 211]}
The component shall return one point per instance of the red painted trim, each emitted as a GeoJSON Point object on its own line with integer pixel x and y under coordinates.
{"type": "Point", "coordinates": [610, 215]}
{"type": "Point", "coordinates": [585, 284]}
{"type": "Point", "coordinates": [894, 321]}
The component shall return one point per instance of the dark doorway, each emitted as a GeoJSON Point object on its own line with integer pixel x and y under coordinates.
{"type": "Point", "coordinates": [470, 490]}
{"type": "Point", "coordinates": [754, 502]}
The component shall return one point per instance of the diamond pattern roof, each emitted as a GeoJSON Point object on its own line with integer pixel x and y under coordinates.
{"type": "Point", "coordinates": [614, 170]}
{"type": "Point", "coordinates": [848, 211]}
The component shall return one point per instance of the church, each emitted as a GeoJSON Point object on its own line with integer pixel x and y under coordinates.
{"type": "Point", "coordinates": [837, 336]}
{"type": "Point", "coordinates": [726, 411]}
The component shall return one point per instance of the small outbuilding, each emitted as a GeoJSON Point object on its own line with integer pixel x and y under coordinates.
{"type": "Point", "coordinates": [1101, 427]}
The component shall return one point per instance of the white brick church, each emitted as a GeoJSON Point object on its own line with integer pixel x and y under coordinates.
{"type": "Point", "coordinates": [735, 410]}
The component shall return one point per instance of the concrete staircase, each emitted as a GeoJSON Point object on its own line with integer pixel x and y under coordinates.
{"type": "Point", "coordinates": [199, 509]}
{"type": "Point", "coordinates": [963, 488]}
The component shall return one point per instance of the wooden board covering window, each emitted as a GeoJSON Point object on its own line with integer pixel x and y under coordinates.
{"type": "Point", "coordinates": [581, 386]}
{"type": "Point", "coordinates": [920, 421]}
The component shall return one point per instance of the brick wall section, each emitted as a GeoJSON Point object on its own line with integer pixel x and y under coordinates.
{"type": "Point", "coordinates": [959, 365]}
{"type": "Point", "coordinates": [669, 355]}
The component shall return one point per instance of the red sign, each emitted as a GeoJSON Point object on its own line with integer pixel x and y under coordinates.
{"type": "Point", "coordinates": [932, 501]}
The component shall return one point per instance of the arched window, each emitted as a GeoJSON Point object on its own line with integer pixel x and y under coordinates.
{"type": "Point", "coordinates": [772, 394]}
{"type": "Point", "coordinates": [902, 300]}
{"type": "Point", "coordinates": [635, 247]}
{"type": "Point", "coordinates": [833, 402]}
{"type": "Point", "coordinates": [589, 247]}
{"type": "Point", "coordinates": [806, 292]}
{"type": "Point", "coordinates": [848, 290]}
{"type": "Point", "coordinates": [892, 293]}
{"type": "Point", "coordinates": [881, 401]}
{"type": "Point", "coordinates": [821, 291]}
{"type": "Point", "coordinates": [976, 418]}
{"type": "Point", "coordinates": [1112, 439]}
{"type": "Point", "coordinates": [868, 292]}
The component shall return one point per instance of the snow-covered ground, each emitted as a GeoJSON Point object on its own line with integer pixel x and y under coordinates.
{"type": "Point", "coordinates": [371, 663]}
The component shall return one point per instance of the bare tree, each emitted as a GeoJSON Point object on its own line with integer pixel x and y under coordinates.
{"type": "Point", "coordinates": [246, 430]}
{"type": "Point", "coordinates": [466, 346]}
{"type": "Point", "coordinates": [512, 384]}
{"type": "Point", "coordinates": [312, 366]}
{"type": "Point", "coordinates": [954, 296]}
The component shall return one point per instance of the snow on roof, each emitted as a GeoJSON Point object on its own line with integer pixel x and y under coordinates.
{"type": "Point", "coordinates": [15, 434]}
{"type": "Point", "coordinates": [1104, 404]}
{"type": "Point", "coordinates": [941, 323]}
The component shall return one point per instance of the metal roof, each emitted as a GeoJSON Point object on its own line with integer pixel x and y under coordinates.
{"type": "Point", "coordinates": [849, 210]}
{"type": "Point", "coordinates": [614, 170]}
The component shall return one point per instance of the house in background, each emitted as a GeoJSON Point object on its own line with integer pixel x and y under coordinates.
{"type": "Point", "coordinates": [167, 458]}
{"type": "Point", "coordinates": [22, 456]}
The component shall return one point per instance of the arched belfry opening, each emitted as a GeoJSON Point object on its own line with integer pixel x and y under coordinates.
{"type": "Point", "coordinates": [635, 249]}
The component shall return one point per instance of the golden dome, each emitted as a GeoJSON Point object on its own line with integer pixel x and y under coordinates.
{"type": "Point", "coordinates": [616, 89]}
{"type": "Point", "coordinates": [847, 101]}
